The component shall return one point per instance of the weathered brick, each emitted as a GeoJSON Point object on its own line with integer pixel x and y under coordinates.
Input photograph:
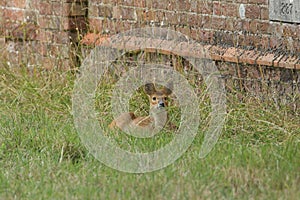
{"type": "Point", "coordinates": [218, 23]}
{"type": "Point", "coordinates": [78, 23]}
{"type": "Point", "coordinates": [13, 15]}
{"type": "Point", "coordinates": [16, 3]}
{"type": "Point", "coordinates": [45, 36]}
{"type": "Point", "coordinates": [106, 11]}
{"type": "Point", "coordinates": [158, 4]}
{"type": "Point", "coordinates": [183, 29]}
{"type": "Point", "coordinates": [201, 35]}
{"type": "Point", "coordinates": [252, 11]}
{"type": "Point", "coordinates": [217, 8]}
{"type": "Point", "coordinates": [289, 62]}
{"type": "Point", "coordinates": [275, 42]}
{"type": "Point", "coordinates": [95, 25]}
{"type": "Point", "coordinates": [140, 3]}
{"type": "Point", "coordinates": [264, 12]}
{"type": "Point", "coordinates": [45, 8]}
{"type": "Point", "coordinates": [127, 2]}
{"type": "Point", "coordinates": [184, 5]}
{"type": "Point", "coordinates": [205, 7]}
{"type": "Point", "coordinates": [172, 17]}
{"type": "Point", "coordinates": [25, 31]}
{"type": "Point", "coordinates": [2, 42]}
{"type": "Point", "coordinates": [206, 22]}
{"type": "Point", "coordinates": [194, 20]}
{"type": "Point", "coordinates": [232, 54]}
{"type": "Point", "coordinates": [233, 24]}
{"type": "Point", "coordinates": [61, 38]}
{"type": "Point", "coordinates": [264, 2]}
{"type": "Point", "coordinates": [249, 57]}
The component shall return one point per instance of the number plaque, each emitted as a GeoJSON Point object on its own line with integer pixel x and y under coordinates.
{"type": "Point", "coordinates": [285, 10]}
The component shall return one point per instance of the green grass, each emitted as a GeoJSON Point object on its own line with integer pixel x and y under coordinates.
{"type": "Point", "coordinates": [41, 156]}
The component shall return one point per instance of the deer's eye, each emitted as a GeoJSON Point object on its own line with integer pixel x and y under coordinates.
{"type": "Point", "coordinates": [166, 98]}
{"type": "Point", "coordinates": [154, 98]}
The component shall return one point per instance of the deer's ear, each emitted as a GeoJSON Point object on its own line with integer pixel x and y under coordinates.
{"type": "Point", "coordinates": [167, 91]}
{"type": "Point", "coordinates": [149, 88]}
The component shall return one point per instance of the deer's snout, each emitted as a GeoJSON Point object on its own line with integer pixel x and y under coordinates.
{"type": "Point", "coordinates": [161, 104]}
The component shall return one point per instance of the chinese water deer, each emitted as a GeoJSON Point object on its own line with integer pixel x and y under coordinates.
{"type": "Point", "coordinates": [158, 99]}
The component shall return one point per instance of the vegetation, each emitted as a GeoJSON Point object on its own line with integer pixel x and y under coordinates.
{"type": "Point", "coordinates": [41, 156]}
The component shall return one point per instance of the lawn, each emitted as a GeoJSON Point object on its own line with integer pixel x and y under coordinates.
{"type": "Point", "coordinates": [42, 157]}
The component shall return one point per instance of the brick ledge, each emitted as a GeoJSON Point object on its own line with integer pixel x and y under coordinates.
{"type": "Point", "coordinates": [214, 52]}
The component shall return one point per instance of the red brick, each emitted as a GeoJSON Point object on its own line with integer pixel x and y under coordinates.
{"type": "Point", "coordinates": [184, 29]}
{"type": "Point", "coordinates": [194, 5]}
{"type": "Point", "coordinates": [288, 30]}
{"type": "Point", "coordinates": [263, 27]}
{"type": "Point", "coordinates": [266, 59]}
{"type": "Point", "coordinates": [217, 52]}
{"type": "Point", "coordinates": [241, 1]}
{"type": "Point", "coordinates": [201, 35]}
{"type": "Point", "coordinates": [264, 12]}
{"type": "Point", "coordinates": [127, 2]}
{"type": "Point", "coordinates": [16, 3]}
{"type": "Point", "coordinates": [126, 13]}
{"type": "Point", "coordinates": [218, 23]}
{"type": "Point", "coordinates": [264, 2]}
{"type": "Point", "coordinates": [26, 31]}
{"type": "Point", "coordinates": [183, 5]}
{"type": "Point", "coordinates": [249, 57]}
{"type": "Point", "coordinates": [95, 25]}
{"type": "Point", "coordinates": [93, 11]}
{"type": "Point", "coordinates": [233, 24]}
{"type": "Point", "coordinates": [217, 8]}
{"type": "Point", "coordinates": [230, 10]}
{"type": "Point", "coordinates": [116, 12]}
{"type": "Point", "coordinates": [289, 62]}
{"type": "Point", "coordinates": [94, 39]}
{"type": "Point", "coordinates": [2, 42]}
{"type": "Point", "coordinates": [297, 66]}
{"type": "Point", "coordinates": [158, 4]}
{"type": "Point", "coordinates": [45, 8]}
{"type": "Point", "coordinates": [159, 16]}
{"type": "Point", "coordinates": [50, 22]}
{"type": "Point", "coordinates": [61, 38]}
{"type": "Point", "coordinates": [252, 11]}
{"type": "Point", "coordinates": [149, 15]}
{"type": "Point", "coordinates": [106, 11]}
{"type": "Point", "coordinates": [172, 5]}
{"type": "Point", "coordinates": [172, 18]}
{"type": "Point", "coordinates": [232, 54]}
{"type": "Point", "coordinates": [205, 7]}
{"type": "Point", "coordinates": [194, 20]}
{"type": "Point", "coordinates": [205, 22]}
{"type": "Point", "coordinates": [140, 3]}
{"type": "Point", "coordinates": [253, 26]}
{"type": "Point", "coordinates": [264, 42]}
{"type": "Point", "coordinates": [78, 23]}
{"type": "Point", "coordinates": [277, 60]}
{"type": "Point", "coordinates": [45, 36]}
{"type": "Point", "coordinates": [3, 3]}
{"type": "Point", "coordinates": [14, 15]}
{"type": "Point", "coordinates": [275, 42]}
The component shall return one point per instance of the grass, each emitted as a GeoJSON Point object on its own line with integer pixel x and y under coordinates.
{"type": "Point", "coordinates": [41, 156]}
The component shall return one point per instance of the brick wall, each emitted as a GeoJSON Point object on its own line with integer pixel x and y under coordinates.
{"type": "Point", "coordinates": [49, 26]}
{"type": "Point", "coordinates": [208, 21]}
{"type": "Point", "coordinates": [40, 32]}
{"type": "Point", "coordinates": [46, 32]}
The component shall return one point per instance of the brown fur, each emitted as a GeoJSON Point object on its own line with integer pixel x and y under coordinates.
{"type": "Point", "coordinates": [155, 97]}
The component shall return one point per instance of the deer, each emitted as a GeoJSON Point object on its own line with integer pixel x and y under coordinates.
{"type": "Point", "coordinates": [158, 100]}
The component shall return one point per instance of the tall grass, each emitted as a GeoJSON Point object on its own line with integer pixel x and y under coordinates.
{"type": "Point", "coordinates": [41, 156]}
